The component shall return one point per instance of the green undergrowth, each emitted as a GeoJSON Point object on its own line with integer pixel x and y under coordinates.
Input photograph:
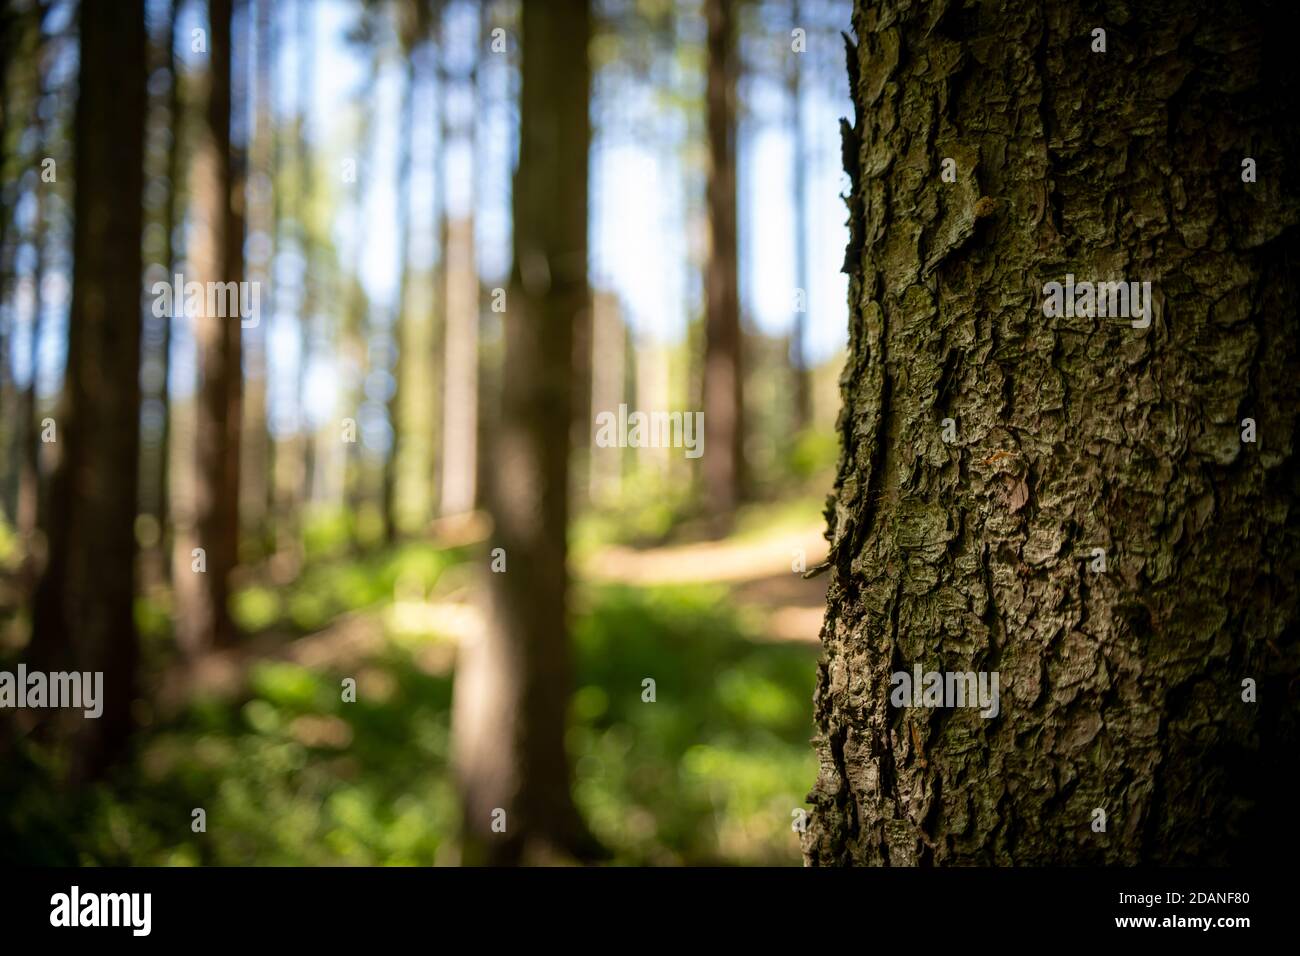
{"type": "Point", "coordinates": [286, 772]}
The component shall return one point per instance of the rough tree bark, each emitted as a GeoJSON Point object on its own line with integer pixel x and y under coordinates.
{"type": "Point", "coordinates": [1123, 690]}
{"type": "Point", "coordinates": [82, 609]}
{"type": "Point", "coordinates": [512, 686]}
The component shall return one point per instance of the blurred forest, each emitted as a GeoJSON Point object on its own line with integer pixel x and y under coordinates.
{"type": "Point", "coordinates": [340, 535]}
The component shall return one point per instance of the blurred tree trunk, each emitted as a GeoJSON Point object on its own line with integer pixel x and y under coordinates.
{"type": "Point", "coordinates": [651, 390]}
{"type": "Point", "coordinates": [29, 487]}
{"type": "Point", "coordinates": [7, 17]}
{"type": "Point", "coordinates": [513, 684]}
{"type": "Point", "coordinates": [83, 608]}
{"type": "Point", "coordinates": [292, 457]}
{"type": "Point", "coordinates": [460, 428]}
{"type": "Point", "coordinates": [7, 398]}
{"type": "Point", "coordinates": [171, 221]}
{"type": "Point", "coordinates": [356, 324]}
{"type": "Point", "coordinates": [798, 361]}
{"type": "Point", "coordinates": [723, 368]}
{"type": "Point", "coordinates": [204, 620]}
{"type": "Point", "coordinates": [440, 332]}
{"type": "Point", "coordinates": [305, 467]}
{"type": "Point", "coordinates": [392, 519]}
{"type": "Point", "coordinates": [7, 45]}
{"type": "Point", "coordinates": [16, 57]}
{"type": "Point", "coordinates": [460, 298]}
{"type": "Point", "coordinates": [1120, 685]}
{"type": "Point", "coordinates": [608, 385]}
{"type": "Point", "coordinates": [256, 444]}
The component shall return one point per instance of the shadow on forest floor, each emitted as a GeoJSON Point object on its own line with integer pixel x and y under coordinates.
{"type": "Point", "coordinates": [287, 773]}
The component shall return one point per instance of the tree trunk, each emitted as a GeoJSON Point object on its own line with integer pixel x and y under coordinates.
{"type": "Point", "coordinates": [305, 465]}
{"type": "Point", "coordinates": [83, 615]}
{"type": "Point", "coordinates": [355, 333]}
{"type": "Point", "coordinates": [723, 426]}
{"type": "Point", "coordinates": [171, 218]}
{"type": "Point", "coordinates": [256, 443]}
{"type": "Point", "coordinates": [460, 410]}
{"type": "Point", "coordinates": [440, 330]}
{"type": "Point", "coordinates": [1120, 690]}
{"type": "Point", "coordinates": [8, 43]}
{"type": "Point", "coordinates": [801, 379]}
{"type": "Point", "coordinates": [29, 485]}
{"type": "Point", "coordinates": [608, 385]}
{"type": "Point", "coordinates": [392, 463]}
{"type": "Point", "coordinates": [293, 463]}
{"type": "Point", "coordinates": [22, 47]}
{"type": "Point", "coordinates": [204, 620]}
{"type": "Point", "coordinates": [512, 686]}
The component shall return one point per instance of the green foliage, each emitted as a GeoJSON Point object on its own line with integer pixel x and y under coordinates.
{"type": "Point", "coordinates": [813, 454]}
{"type": "Point", "coordinates": [708, 772]}
{"type": "Point", "coordinates": [328, 589]}
{"type": "Point", "coordinates": [9, 549]}
{"type": "Point", "coordinates": [290, 774]}
{"type": "Point", "coordinates": [646, 512]}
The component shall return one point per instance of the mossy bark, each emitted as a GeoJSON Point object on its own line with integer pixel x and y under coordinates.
{"type": "Point", "coordinates": [1120, 691]}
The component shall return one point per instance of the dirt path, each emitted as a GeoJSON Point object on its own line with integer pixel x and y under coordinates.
{"type": "Point", "coordinates": [759, 570]}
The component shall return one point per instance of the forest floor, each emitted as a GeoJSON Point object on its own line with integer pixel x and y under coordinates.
{"type": "Point", "coordinates": [758, 571]}
{"type": "Point", "coordinates": [288, 773]}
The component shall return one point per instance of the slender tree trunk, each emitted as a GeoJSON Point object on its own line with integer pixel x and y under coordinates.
{"type": "Point", "coordinates": [171, 219]}
{"type": "Point", "coordinates": [512, 686]}
{"type": "Point", "coordinates": [306, 465]}
{"type": "Point", "coordinates": [392, 520]}
{"type": "Point", "coordinates": [7, 45]}
{"type": "Point", "coordinates": [29, 487]}
{"type": "Point", "coordinates": [652, 390]}
{"type": "Point", "coordinates": [723, 369]}
{"type": "Point", "coordinates": [356, 323]}
{"type": "Point", "coordinates": [256, 442]}
{"type": "Point", "coordinates": [83, 606]}
{"type": "Point", "coordinates": [608, 384]}
{"type": "Point", "coordinates": [205, 620]}
{"type": "Point", "coordinates": [293, 463]}
{"type": "Point", "coordinates": [460, 428]}
{"type": "Point", "coordinates": [799, 172]}
{"type": "Point", "coordinates": [460, 347]}
{"type": "Point", "coordinates": [1122, 699]}
{"type": "Point", "coordinates": [7, 18]}
{"type": "Point", "coordinates": [441, 332]}
{"type": "Point", "coordinates": [15, 28]}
